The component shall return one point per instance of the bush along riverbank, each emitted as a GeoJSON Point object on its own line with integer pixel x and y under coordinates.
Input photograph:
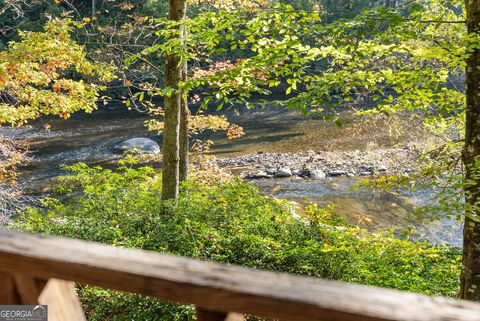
{"type": "Point", "coordinates": [228, 222]}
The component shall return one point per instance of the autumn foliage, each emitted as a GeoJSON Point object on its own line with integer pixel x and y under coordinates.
{"type": "Point", "coordinates": [48, 73]}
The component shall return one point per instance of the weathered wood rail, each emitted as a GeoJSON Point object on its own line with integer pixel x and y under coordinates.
{"type": "Point", "coordinates": [35, 269]}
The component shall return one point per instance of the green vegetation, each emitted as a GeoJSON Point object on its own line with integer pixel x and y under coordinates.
{"type": "Point", "coordinates": [233, 223]}
{"type": "Point", "coordinates": [376, 58]}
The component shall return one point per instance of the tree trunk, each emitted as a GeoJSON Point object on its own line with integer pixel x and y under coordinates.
{"type": "Point", "coordinates": [172, 106]}
{"type": "Point", "coordinates": [470, 279]}
{"type": "Point", "coordinates": [184, 144]}
{"type": "Point", "coordinates": [184, 118]}
{"type": "Point", "coordinates": [390, 3]}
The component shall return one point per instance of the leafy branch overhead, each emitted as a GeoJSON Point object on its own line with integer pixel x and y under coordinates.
{"type": "Point", "coordinates": [268, 44]}
{"type": "Point", "coordinates": [403, 59]}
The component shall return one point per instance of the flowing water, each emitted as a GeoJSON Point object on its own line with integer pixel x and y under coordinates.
{"type": "Point", "coordinates": [90, 138]}
{"type": "Point", "coordinates": [370, 209]}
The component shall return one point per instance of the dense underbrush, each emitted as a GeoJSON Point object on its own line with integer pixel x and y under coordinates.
{"type": "Point", "coordinates": [228, 222]}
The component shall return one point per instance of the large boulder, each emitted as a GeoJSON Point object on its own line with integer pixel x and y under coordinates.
{"type": "Point", "coordinates": [143, 145]}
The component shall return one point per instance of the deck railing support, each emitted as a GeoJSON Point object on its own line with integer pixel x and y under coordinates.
{"type": "Point", "coordinates": [33, 269]}
{"type": "Point", "coordinates": [59, 295]}
{"type": "Point", "coordinates": [206, 315]}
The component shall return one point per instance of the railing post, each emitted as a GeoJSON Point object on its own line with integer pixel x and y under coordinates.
{"type": "Point", "coordinates": [28, 289]}
{"type": "Point", "coordinates": [206, 315]}
{"type": "Point", "coordinates": [59, 295]}
{"type": "Point", "coordinates": [8, 291]}
{"type": "Point", "coordinates": [63, 303]}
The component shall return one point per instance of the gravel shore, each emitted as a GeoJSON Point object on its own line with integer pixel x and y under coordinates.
{"type": "Point", "coordinates": [322, 164]}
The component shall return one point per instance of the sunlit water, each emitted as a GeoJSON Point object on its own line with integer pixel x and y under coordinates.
{"type": "Point", "coordinates": [370, 209]}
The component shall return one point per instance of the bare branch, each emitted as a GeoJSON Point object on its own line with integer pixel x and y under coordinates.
{"type": "Point", "coordinates": [15, 6]}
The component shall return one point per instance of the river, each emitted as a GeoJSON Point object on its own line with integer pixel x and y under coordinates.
{"type": "Point", "coordinates": [90, 138]}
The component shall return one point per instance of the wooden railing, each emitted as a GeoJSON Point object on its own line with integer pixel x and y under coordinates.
{"type": "Point", "coordinates": [35, 269]}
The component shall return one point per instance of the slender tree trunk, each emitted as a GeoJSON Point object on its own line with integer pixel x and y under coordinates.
{"type": "Point", "coordinates": [470, 279]}
{"type": "Point", "coordinates": [172, 106]}
{"type": "Point", "coordinates": [184, 118]}
{"type": "Point", "coordinates": [390, 3]}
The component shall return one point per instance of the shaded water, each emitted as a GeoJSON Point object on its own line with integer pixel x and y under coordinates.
{"type": "Point", "coordinates": [90, 138]}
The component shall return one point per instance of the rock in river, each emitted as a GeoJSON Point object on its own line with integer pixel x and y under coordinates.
{"type": "Point", "coordinates": [258, 175]}
{"type": "Point", "coordinates": [143, 145]}
{"type": "Point", "coordinates": [283, 172]}
{"type": "Point", "coordinates": [317, 174]}
{"type": "Point", "coordinates": [336, 173]}
{"type": "Point", "coordinates": [382, 168]}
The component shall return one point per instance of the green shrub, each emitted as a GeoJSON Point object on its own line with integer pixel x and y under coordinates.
{"type": "Point", "coordinates": [231, 222]}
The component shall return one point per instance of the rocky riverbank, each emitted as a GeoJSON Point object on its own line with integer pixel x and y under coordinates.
{"type": "Point", "coordinates": [322, 164]}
